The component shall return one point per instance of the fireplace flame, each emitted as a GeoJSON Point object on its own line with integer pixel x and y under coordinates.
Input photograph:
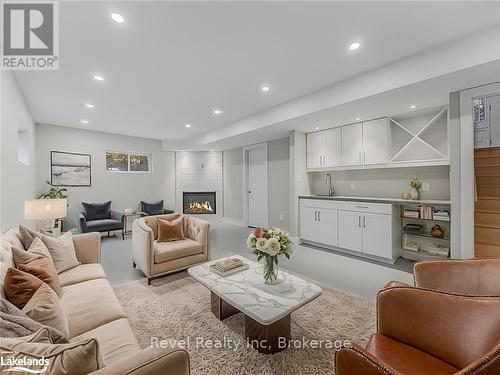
{"type": "Point", "coordinates": [199, 207]}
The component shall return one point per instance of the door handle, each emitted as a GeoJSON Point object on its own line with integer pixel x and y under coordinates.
{"type": "Point", "coordinates": [364, 221]}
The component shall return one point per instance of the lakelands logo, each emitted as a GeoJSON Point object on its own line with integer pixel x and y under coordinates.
{"type": "Point", "coordinates": [13, 363]}
{"type": "Point", "coordinates": [30, 35]}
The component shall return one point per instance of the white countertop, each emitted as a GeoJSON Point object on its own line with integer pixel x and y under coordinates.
{"type": "Point", "coordinates": [374, 199]}
{"type": "Point", "coordinates": [247, 291]}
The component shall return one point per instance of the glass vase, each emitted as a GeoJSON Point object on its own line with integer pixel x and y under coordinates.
{"type": "Point", "coordinates": [270, 272]}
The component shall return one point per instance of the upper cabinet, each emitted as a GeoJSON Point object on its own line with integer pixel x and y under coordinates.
{"type": "Point", "coordinates": [416, 139]}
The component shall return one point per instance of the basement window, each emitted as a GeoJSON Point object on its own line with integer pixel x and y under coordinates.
{"type": "Point", "coordinates": [128, 162]}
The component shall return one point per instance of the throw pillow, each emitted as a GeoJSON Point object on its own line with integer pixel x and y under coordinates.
{"type": "Point", "coordinates": [38, 262]}
{"type": "Point", "coordinates": [152, 222]}
{"type": "Point", "coordinates": [75, 358]}
{"type": "Point", "coordinates": [155, 208]}
{"type": "Point", "coordinates": [170, 230]}
{"type": "Point", "coordinates": [20, 286]}
{"type": "Point", "coordinates": [46, 308]}
{"type": "Point", "coordinates": [15, 323]}
{"type": "Point", "coordinates": [97, 211]}
{"type": "Point", "coordinates": [62, 251]}
{"type": "Point", "coordinates": [27, 236]}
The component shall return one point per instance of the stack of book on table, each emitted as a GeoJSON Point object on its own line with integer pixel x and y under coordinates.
{"type": "Point", "coordinates": [228, 266]}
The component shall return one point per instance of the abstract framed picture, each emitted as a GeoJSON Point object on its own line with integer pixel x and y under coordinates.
{"type": "Point", "coordinates": [70, 169]}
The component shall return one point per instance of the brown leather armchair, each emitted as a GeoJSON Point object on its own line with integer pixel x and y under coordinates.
{"type": "Point", "coordinates": [480, 277]}
{"type": "Point", "coordinates": [422, 331]}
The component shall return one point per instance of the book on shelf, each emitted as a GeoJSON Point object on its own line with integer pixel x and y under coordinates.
{"type": "Point", "coordinates": [411, 214]}
{"type": "Point", "coordinates": [228, 266]}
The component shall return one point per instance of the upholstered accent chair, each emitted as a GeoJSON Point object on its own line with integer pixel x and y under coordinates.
{"type": "Point", "coordinates": [422, 331]}
{"type": "Point", "coordinates": [153, 208]}
{"type": "Point", "coordinates": [156, 258]}
{"type": "Point", "coordinates": [99, 217]}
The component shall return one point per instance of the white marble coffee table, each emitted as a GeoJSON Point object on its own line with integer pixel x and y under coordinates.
{"type": "Point", "coordinates": [267, 308]}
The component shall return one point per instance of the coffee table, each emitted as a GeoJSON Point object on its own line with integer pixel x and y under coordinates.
{"type": "Point", "coordinates": [267, 308]}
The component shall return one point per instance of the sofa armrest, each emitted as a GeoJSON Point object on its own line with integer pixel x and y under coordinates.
{"type": "Point", "coordinates": [487, 365]}
{"type": "Point", "coordinates": [115, 215]}
{"type": "Point", "coordinates": [354, 360]}
{"type": "Point", "coordinates": [473, 277]}
{"type": "Point", "coordinates": [82, 222]}
{"type": "Point", "coordinates": [142, 246]}
{"type": "Point", "coordinates": [88, 247]}
{"type": "Point", "coordinates": [393, 284]}
{"type": "Point", "coordinates": [199, 231]}
{"type": "Point", "coordinates": [151, 361]}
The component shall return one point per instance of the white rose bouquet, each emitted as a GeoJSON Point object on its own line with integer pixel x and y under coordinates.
{"type": "Point", "coordinates": [268, 244]}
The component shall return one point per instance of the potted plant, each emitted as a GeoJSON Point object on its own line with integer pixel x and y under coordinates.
{"type": "Point", "coordinates": [415, 185]}
{"type": "Point", "coordinates": [269, 244]}
{"type": "Point", "coordinates": [54, 193]}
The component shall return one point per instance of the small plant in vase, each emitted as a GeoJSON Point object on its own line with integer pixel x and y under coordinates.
{"type": "Point", "coordinates": [269, 244]}
{"type": "Point", "coordinates": [415, 185]}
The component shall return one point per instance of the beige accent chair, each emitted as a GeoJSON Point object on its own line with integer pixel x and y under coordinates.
{"type": "Point", "coordinates": [158, 259]}
{"type": "Point", "coordinates": [93, 311]}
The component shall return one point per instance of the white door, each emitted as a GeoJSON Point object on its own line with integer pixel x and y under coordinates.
{"type": "Point", "coordinates": [375, 136]}
{"type": "Point", "coordinates": [350, 231]}
{"type": "Point", "coordinates": [327, 229]}
{"type": "Point", "coordinates": [495, 120]}
{"type": "Point", "coordinates": [257, 188]}
{"type": "Point", "coordinates": [333, 145]}
{"type": "Point", "coordinates": [377, 235]}
{"type": "Point", "coordinates": [352, 144]}
{"type": "Point", "coordinates": [308, 220]}
{"type": "Point", "coordinates": [315, 149]}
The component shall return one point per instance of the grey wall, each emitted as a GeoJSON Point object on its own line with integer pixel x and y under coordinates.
{"type": "Point", "coordinates": [298, 179]}
{"type": "Point", "coordinates": [388, 182]}
{"type": "Point", "coordinates": [454, 140]}
{"type": "Point", "coordinates": [125, 190]}
{"type": "Point", "coordinates": [279, 187]}
{"type": "Point", "coordinates": [233, 184]}
{"type": "Point", "coordinates": [17, 179]}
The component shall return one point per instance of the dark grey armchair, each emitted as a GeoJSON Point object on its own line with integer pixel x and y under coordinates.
{"type": "Point", "coordinates": [154, 208]}
{"type": "Point", "coordinates": [99, 217]}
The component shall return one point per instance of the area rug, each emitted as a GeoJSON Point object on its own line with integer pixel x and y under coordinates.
{"type": "Point", "coordinates": [178, 308]}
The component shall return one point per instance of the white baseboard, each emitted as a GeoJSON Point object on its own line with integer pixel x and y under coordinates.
{"type": "Point", "coordinates": [233, 221]}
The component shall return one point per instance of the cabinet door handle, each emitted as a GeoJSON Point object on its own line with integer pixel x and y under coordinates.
{"type": "Point", "coordinates": [365, 207]}
{"type": "Point", "coordinates": [359, 221]}
{"type": "Point", "coordinates": [315, 215]}
{"type": "Point", "coordinates": [319, 215]}
{"type": "Point", "coordinates": [364, 221]}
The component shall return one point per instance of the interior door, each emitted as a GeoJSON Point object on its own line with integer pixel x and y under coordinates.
{"type": "Point", "coordinates": [375, 143]}
{"type": "Point", "coordinates": [377, 235]}
{"type": "Point", "coordinates": [333, 145]}
{"type": "Point", "coordinates": [257, 188]}
{"type": "Point", "coordinates": [350, 232]}
{"type": "Point", "coordinates": [352, 144]}
{"type": "Point", "coordinates": [495, 120]}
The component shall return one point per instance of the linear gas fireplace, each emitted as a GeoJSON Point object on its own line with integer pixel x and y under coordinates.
{"type": "Point", "coordinates": [199, 202]}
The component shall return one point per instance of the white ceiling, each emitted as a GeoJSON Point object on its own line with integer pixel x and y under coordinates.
{"type": "Point", "coordinates": [172, 63]}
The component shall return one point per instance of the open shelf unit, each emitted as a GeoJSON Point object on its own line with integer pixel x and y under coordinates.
{"type": "Point", "coordinates": [419, 243]}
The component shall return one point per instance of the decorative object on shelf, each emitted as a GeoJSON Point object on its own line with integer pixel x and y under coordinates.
{"type": "Point", "coordinates": [129, 211]}
{"type": "Point", "coordinates": [228, 266]}
{"type": "Point", "coordinates": [413, 228]}
{"type": "Point", "coordinates": [70, 169]}
{"type": "Point", "coordinates": [45, 210]}
{"type": "Point", "coordinates": [406, 196]}
{"type": "Point", "coordinates": [437, 231]}
{"type": "Point", "coordinates": [415, 185]}
{"type": "Point", "coordinates": [268, 244]}
{"type": "Point", "coordinates": [411, 245]}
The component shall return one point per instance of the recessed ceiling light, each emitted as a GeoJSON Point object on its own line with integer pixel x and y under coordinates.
{"type": "Point", "coordinates": [187, 125]}
{"type": "Point", "coordinates": [85, 122]}
{"type": "Point", "coordinates": [354, 46]}
{"type": "Point", "coordinates": [265, 88]}
{"type": "Point", "coordinates": [218, 112]}
{"type": "Point", "coordinates": [117, 17]}
{"type": "Point", "coordinates": [413, 106]}
{"type": "Point", "coordinates": [316, 128]}
{"type": "Point", "coordinates": [98, 77]}
{"type": "Point", "coordinates": [89, 105]}
{"type": "Point", "coordinates": [357, 119]}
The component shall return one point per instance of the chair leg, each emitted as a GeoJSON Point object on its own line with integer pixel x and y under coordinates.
{"type": "Point", "coordinates": [123, 235]}
{"type": "Point", "coordinates": [133, 264]}
{"type": "Point", "coordinates": [149, 280]}
{"type": "Point", "coordinates": [108, 233]}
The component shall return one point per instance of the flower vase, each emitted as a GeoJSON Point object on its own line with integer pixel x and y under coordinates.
{"type": "Point", "coordinates": [415, 194]}
{"type": "Point", "coordinates": [270, 272]}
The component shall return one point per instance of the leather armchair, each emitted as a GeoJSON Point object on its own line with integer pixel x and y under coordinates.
{"type": "Point", "coordinates": [115, 222]}
{"type": "Point", "coordinates": [480, 277]}
{"type": "Point", "coordinates": [422, 331]}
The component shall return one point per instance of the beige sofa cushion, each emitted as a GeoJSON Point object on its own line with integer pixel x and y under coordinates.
{"type": "Point", "coordinates": [116, 340]}
{"type": "Point", "coordinates": [7, 240]}
{"type": "Point", "coordinates": [76, 358]}
{"type": "Point", "coordinates": [170, 230]}
{"type": "Point", "coordinates": [45, 307]}
{"type": "Point", "coordinates": [152, 222]}
{"type": "Point", "coordinates": [90, 304]}
{"type": "Point", "coordinates": [62, 251]}
{"type": "Point", "coordinates": [83, 272]}
{"type": "Point", "coordinates": [165, 251]}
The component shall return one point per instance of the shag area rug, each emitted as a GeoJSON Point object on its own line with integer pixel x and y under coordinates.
{"type": "Point", "coordinates": [177, 307]}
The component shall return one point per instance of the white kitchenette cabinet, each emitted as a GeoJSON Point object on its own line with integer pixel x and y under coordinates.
{"type": "Point", "coordinates": [318, 221]}
{"type": "Point", "coordinates": [352, 144]}
{"type": "Point", "coordinates": [375, 141]}
{"type": "Point", "coordinates": [324, 149]}
{"type": "Point", "coordinates": [350, 231]}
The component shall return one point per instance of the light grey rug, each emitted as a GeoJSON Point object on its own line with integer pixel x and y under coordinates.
{"type": "Point", "coordinates": [177, 307]}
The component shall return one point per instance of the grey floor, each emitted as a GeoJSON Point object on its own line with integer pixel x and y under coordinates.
{"type": "Point", "coordinates": [326, 268]}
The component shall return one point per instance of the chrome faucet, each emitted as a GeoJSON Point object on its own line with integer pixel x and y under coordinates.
{"type": "Point", "coordinates": [331, 189]}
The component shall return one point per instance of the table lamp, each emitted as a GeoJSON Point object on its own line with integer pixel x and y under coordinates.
{"type": "Point", "coordinates": [45, 210]}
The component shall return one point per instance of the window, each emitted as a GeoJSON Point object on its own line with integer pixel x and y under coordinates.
{"type": "Point", "coordinates": [127, 162]}
{"type": "Point", "coordinates": [479, 109]}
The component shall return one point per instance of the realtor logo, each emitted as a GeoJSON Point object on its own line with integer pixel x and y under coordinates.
{"type": "Point", "coordinates": [30, 35]}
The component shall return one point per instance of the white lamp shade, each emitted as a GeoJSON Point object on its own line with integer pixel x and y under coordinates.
{"type": "Point", "coordinates": [42, 209]}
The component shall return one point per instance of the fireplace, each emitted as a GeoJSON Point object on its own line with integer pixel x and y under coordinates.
{"type": "Point", "coordinates": [199, 202]}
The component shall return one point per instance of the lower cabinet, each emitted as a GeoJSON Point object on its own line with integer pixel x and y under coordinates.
{"type": "Point", "coordinates": [318, 223]}
{"type": "Point", "coordinates": [350, 231]}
